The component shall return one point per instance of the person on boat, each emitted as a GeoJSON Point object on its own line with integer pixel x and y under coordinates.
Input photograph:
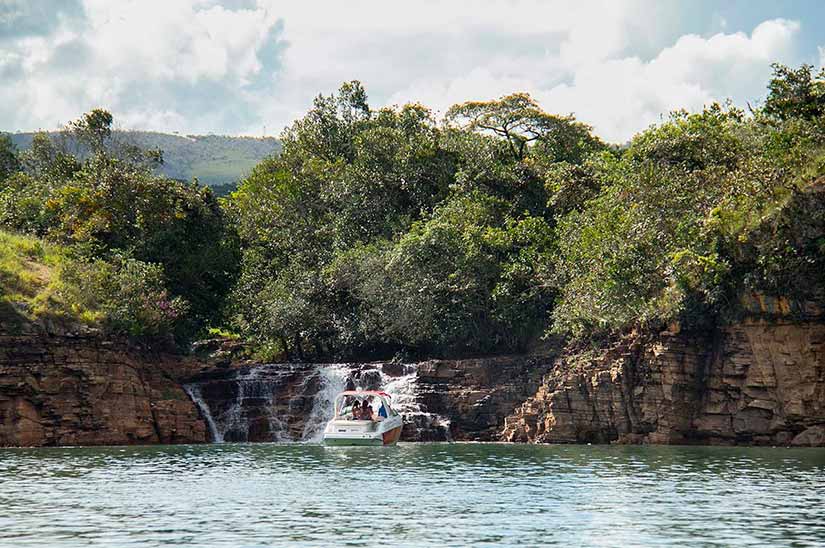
{"type": "Point", "coordinates": [382, 411]}
{"type": "Point", "coordinates": [366, 411]}
{"type": "Point", "coordinates": [356, 410]}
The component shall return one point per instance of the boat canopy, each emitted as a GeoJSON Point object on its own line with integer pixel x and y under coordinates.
{"type": "Point", "coordinates": [364, 393]}
{"type": "Point", "coordinates": [345, 400]}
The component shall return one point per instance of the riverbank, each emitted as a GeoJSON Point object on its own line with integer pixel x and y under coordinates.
{"type": "Point", "coordinates": [83, 389]}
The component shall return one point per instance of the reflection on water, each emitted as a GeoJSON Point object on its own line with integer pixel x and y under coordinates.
{"type": "Point", "coordinates": [411, 495]}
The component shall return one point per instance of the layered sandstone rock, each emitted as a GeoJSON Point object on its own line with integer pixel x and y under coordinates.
{"type": "Point", "coordinates": [477, 394]}
{"type": "Point", "coordinates": [758, 381]}
{"type": "Point", "coordinates": [766, 387]}
{"type": "Point", "coordinates": [440, 399]}
{"type": "Point", "coordinates": [755, 382]}
{"type": "Point", "coordinates": [83, 390]}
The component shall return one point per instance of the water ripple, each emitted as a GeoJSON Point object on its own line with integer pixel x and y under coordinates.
{"type": "Point", "coordinates": [411, 495]}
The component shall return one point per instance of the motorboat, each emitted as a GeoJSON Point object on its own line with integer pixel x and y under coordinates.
{"type": "Point", "coordinates": [363, 417]}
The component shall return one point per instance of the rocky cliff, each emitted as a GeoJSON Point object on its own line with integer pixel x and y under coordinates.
{"type": "Point", "coordinates": [72, 389]}
{"type": "Point", "coordinates": [83, 390]}
{"type": "Point", "coordinates": [476, 395]}
{"type": "Point", "coordinates": [758, 381]}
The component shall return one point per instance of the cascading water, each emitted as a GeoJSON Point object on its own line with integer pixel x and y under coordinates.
{"type": "Point", "coordinates": [333, 381]}
{"type": "Point", "coordinates": [253, 406]}
{"type": "Point", "coordinates": [406, 400]}
{"type": "Point", "coordinates": [288, 402]}
{"type": "Point", "coordinates": [194, 392]}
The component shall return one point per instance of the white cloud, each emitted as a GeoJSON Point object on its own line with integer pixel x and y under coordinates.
{"type": "Point", "coordinates": [622, 96]}
{"type": "Point", "coordinates": [154, 63]}
{"type": "Point", "coordinates": [410, 51]}
{"type": "Point", "coordinates": [558, 51]}
{"type": "Point", "coordinates": [236, 65]}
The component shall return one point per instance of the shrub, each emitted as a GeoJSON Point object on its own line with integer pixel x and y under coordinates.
{"type": "Point", "coordinates": [131, 295]}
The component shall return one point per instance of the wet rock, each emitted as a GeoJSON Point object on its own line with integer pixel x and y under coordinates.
{"type": "Point", "coordinates": [394, 369]}
{"type": "Point", "coordinates": [256, 402]}
{"type": "Point", "coordinates": [476, 395]}
{"type": "Point", "coordinates": [369, 379]}
{"type": "Point", "coordinates": [810, 437]}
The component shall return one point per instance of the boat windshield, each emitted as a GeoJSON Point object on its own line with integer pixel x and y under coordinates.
{"type": "Point", "coordinates": [363, 407]}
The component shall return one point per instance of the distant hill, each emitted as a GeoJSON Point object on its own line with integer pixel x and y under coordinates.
{"type": "Point", "coordinates": [216, 160]}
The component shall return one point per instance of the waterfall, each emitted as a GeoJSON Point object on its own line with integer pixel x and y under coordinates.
{"type": "Point", "coordinates": [194, 392]}
{"type": "Point", "coordinates": [406, 399]}
{"type": "Point", "coordinates": [333, 381]}
{"type": "Point", "coordinates": [291, 402]}
{"type": "Point", "coordinates": [252, 386]}
{"type": "Point", "coordinates": [253, 406]}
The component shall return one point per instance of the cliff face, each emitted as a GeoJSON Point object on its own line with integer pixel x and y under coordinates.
{"type": "Point", "coordinates": [760, 381]}
{"type": "Point", "coordinates": [476, 395]}
{"type": "Point", "coordinates": [755, 382]}
{"type": "Point", "coordinates": [76, 390]}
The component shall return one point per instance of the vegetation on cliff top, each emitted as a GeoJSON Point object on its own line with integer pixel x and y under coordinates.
{"type": "Point", "coordinates": [377, 231]}
{"type": "Point", "coordinates": [140, 253]}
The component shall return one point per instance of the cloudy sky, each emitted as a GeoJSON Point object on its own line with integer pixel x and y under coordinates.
{"type": "Point", "coordinates": [249, 66]}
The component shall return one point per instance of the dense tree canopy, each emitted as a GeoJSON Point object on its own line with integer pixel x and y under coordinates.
{"type": "Point", "coordinates": [377, 231]}
{"type": "Point", "coordinates": [381, 229]}
{"type": "Point", "coordinates": [796, 94]}
{"type": "Point", "coordinates": [519, 121]}
{"type": "Point", "coordinates": [694, 212]}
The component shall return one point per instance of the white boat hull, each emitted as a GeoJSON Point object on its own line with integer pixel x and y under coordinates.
{"type": "Point", "coordinates": [358, 432]}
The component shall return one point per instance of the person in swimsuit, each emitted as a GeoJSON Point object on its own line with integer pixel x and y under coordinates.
{"type": "Point", "coordinates": [366, 411]}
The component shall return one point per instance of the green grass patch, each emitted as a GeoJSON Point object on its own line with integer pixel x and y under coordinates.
{"type": "Point", "coordinates": [31, 286]}
{"type": "Point", "coordinates": [222, 170]}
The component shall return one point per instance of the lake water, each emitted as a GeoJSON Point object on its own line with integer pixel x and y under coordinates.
{"type": "Point", "coordinates": [411, 495]}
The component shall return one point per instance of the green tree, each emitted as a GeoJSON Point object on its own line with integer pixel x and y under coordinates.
{"type": "Point", "coordinates": [46, 161]}
{"type": "Point", "coordinates": [347, 176]}
{"type": "Point", "coordinates": [9, 162]}
{"type": "Point", "coordinates": [105, 202]}
{"type": "Point", "coordinates": [111, 206]}
{"type": "Point", "coordinates": [93, 129]}
{"type": "Point", "coordinates": [796, 93]}
{"type": "Point", "coordinates": [23, 202]}
{"type": "Point", "coordinates": [518, 120]}
{"type": "Point", "coordinates": [466, 280]}
{"type": "Point", "coordinates": [661, 241]}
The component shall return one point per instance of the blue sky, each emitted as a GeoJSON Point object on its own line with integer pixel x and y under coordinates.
{"type": "Point", "coordinates": [253, 66]}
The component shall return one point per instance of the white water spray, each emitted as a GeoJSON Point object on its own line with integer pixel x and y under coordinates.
{"type": "Point", "coordinates": [251, 385]}
{"type": "Point", "coordinates": [256, 395]}
{"type": "Point", "coordinates": [194, 392]}
{"type": "Point", "coordinates": [333, 381]}
{"type": "Point", "coordinates": [404, 392]}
